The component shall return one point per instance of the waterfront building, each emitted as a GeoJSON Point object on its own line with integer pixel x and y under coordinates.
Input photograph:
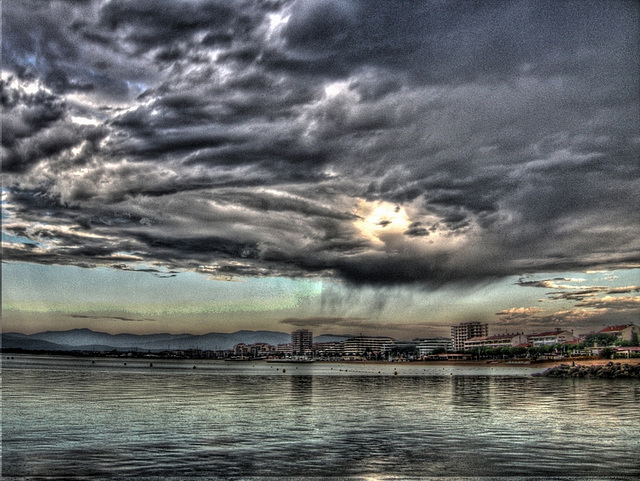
{"type": "Point", "coordinates": [261, 349]}
{"type": "Point", "coordinates": [328, 349]}
{"type": "Point", "coordinates": [357, 346]}
{"type": "Point", "coordinates": [624, 332]}
{"type": "Point", "coordinates": [301, 341]}
{"type": "Point", "coordinates": [285, 349]}
{"type": "Point", "coordinates": [495, 341]}
{"type": "Point", "coordinates": [466, 330]}
{"type": "Point", "coordinates": [549, 338]}
{"type": "Point", "coordinates": [400, 349]}
{"type": "Point", "coordinates": [428, 345]}
{"type": "Point", "coordinates": [241, 350]}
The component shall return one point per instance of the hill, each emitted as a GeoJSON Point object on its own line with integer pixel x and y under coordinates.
{"type": "Point", "coordinates": [87, 339]}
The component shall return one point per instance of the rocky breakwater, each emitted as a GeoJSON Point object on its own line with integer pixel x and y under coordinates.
{"type": "Point", "coordinates": [611, 370]}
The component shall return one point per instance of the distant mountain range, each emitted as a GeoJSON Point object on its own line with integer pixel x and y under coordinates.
{"type": "Point", "coordinates": [88, 340]}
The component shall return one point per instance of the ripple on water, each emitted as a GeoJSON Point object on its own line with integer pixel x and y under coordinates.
{"type": "Point", "coordinates": [61, 420]}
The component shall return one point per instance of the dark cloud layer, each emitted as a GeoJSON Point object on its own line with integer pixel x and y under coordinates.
{"type": "Point", "coordinates": [378, 142]}
{"type": "Point", "coordinates": [111, 318]}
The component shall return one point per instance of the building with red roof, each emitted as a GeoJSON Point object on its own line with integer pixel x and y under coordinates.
{"type": "Point", "coordinates": [624, 332]}
{"type": "Point", "coordinates": [549, 338]}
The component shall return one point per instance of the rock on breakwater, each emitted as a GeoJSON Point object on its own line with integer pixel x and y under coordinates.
{"type": "Point", "coordinates": [611, 370]}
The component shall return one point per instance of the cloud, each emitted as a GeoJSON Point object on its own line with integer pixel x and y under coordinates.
{"type": "Point", "coordinates": [112, 318]}
{"type": "Point", "coordinates": [565, 291]}
{"type": "Point", "coordinates": [588, 312]}
{"type": "Point", "coordinates": [328, 322]}
{"type": "Point", "coordinates": [353, 325]}
{"type": "Point", "coordinates": [519, 312]}
{"type": "Point", "coordinates": [246, 138]}
{"type": "Point", "coordinates": [551, 283]}
{"type": "Point", "coordinates": [612, 303]}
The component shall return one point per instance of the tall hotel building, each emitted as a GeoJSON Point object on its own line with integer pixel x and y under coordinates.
{"type": "Point", "coordinates": [301, 341]}
{"type": "Point", "coordinates": [466, 330]}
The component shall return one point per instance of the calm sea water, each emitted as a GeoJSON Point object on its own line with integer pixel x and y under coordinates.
{"type": "Point", "coordinates": [98, 419]}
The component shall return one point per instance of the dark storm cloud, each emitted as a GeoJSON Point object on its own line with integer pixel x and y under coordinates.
{"type": "Point", "coordinates": [36, 127]}
{"type": "Point", "coordinates": [380, 143]}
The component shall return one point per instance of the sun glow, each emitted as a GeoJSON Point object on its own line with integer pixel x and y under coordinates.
{"type": "Point", "coordinates": [377, 219]}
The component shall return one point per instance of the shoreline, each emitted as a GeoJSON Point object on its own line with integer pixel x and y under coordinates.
{"type": "Point", "coordinates": [500, 363]}
{"type": "Point", "coordinates": [543, 364]}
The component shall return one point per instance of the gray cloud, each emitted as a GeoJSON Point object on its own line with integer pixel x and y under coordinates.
{"type": "Point", "coordinates": [327, 322]}
{"type": "Point", "coordinates": [564, 290]}
{"type": "Point", "coordinates": [112, 318]}
{"type": "Point", "coordinates": [248, 138]}
{"type": "Point", "coordinates": [352, 325]}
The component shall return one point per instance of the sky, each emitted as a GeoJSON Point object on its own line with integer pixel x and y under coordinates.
{"type": "Point", "coordinates": [350, 167]}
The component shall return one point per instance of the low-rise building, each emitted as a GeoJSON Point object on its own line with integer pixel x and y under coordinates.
{"type": "Point", "coordinates": [400, 350]}
{"type": "Point", "coordinates": [624, 332]}
{"type": "Point", "coordinates": [428, 345]}
{"type": "Point", "coordinates": [286, 349]}
{"type": "Point", "coordinates": [328, 349]}
{"type": "Point", "coordinates": [495, 341]}
{"type": "Point", "coordinates": [241, 350]}
{"type": "Point", "coordinates": [261, 349]}
{"type": "Point", "coordinates": [549, 338]}
{"type": "Point", "coordinates": [364, 344]}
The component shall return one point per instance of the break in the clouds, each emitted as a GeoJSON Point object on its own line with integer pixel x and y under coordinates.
{"type": "Point", "coordinates": [376, 142]}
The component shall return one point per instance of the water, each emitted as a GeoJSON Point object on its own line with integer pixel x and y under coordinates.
{"type": "Point", "coordinates": [100, 418]}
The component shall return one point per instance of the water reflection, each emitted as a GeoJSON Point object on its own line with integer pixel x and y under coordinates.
{"type": "Point", "coordinates": [471, 391]}
{"type": "Point", "coordinates": [301, 389]}
{"type": "Point", "coordinates": [230, 422]}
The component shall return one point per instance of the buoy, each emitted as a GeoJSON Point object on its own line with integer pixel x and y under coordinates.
{"type": "Point", "coordinates": [125, 364]}
{"type": "Point", "coordinates": [284, 370]}
{"type": "Point", "coordinates": [93, 362]}
{"type": "Point", "coordinates": [194, 367]}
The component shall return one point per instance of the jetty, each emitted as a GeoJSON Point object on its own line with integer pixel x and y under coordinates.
{"type": "Point", "coordinates": [610, 370]}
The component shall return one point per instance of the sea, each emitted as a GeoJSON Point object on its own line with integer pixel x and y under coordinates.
{"type": "Point", "coordinates": [151, 419]}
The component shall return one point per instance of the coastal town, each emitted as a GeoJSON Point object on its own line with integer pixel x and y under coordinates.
{"type": "Point", "coordinates": [469, 341]}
